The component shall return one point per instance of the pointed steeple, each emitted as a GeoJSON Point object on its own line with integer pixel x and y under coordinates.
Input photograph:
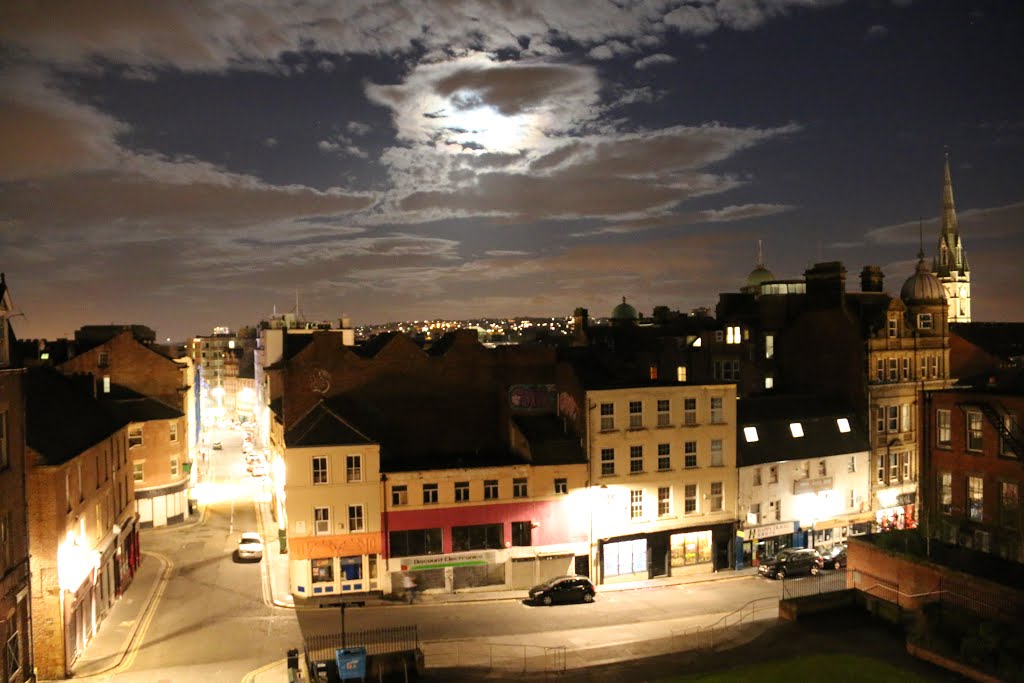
{"type": "Point", "coordinates": [950, 265]}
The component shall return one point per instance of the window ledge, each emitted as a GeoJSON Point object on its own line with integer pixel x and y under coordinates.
{"type": "Point", "coordinates": [637, 472]}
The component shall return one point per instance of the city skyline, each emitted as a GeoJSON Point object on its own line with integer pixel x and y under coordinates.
{"type": "Point", "coordinates": [186, 167]}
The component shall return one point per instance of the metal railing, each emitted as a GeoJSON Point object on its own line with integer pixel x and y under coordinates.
{"type": "Point", "coordinates": [706, 637]}
{"type": "Point", "coordinates": [496, 656]}
{"type": "Point", "coordinates": [376, 641]}
{"type": "Point", "coordinates": [826, 581]}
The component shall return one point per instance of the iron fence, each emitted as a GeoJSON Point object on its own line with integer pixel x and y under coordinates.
{"type": "Point", "coordinates": [707, 637]}
{"type": "Point", "coordinates": [377, 641]}
{"type": "Point", "coordinates": [471, 654]}
{"type": "Point", "coordinates": [827, 581]}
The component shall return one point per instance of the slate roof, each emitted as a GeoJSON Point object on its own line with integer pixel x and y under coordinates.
{"type": "Point", "coordinates": [1005, 340]}
{"type": "Point", "coordinates": [429, 432]}
{"type": "Point", "coordinates": [321, 426]}
{"type": "Point", "coordinates": [550, 442]}
{"type": "Point", "coordinates": [62, 417]}
{"type": "Point", "coordinates": [130, 406]}
{"type": "Point", "coordinates": [771, 416]}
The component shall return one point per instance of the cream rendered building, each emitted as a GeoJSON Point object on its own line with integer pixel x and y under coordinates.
{"type": "Point", "coordinates": [663, 477]}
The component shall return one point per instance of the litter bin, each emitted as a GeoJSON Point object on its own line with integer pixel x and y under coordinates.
{"type": "Point", "coordinates": [351, 662]}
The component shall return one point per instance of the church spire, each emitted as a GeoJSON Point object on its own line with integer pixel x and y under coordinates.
{"type": "Point", "coordinates": [950, 264]}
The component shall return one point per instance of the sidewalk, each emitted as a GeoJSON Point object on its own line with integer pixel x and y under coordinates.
{"type": "Point", "coordinates": [111, 644]}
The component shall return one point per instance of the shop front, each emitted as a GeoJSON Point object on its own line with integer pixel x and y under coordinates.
{"type": "Point", "coordinates": [901, 515]}
{"type": "Point", "coordinates": [764, 541]}
{"type": "Point", "coordinates": [334, 565]}
{"type": "Point", "coordinates": [831, 531]}
{"type": "Point", "coordinates": [676, 552]}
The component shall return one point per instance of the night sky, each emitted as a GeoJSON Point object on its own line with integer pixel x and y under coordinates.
{"type": "Point", "coordinates": [186, 165]}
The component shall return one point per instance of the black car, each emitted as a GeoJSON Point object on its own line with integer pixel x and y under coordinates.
{"type": "Point", "coordinates": [791, 562]}
{"type": "Point", "coordinates": [834, 557]}
{"type": "Point", "coordinates": [563, 589]}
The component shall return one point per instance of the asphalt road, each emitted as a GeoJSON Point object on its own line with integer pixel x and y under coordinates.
{"type": "Point", "coordinates": [214, 622]}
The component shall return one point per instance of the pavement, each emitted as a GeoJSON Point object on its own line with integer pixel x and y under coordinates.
{"type": "Point", "coordinates": [111, 649]}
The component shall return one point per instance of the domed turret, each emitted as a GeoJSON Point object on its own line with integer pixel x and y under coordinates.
{"type": "Point", "coordinates": [758, 276]}
{"type": "Point", "coordinates": [624, 314]}
{"type": "Point", "coordinates": [922, 286]}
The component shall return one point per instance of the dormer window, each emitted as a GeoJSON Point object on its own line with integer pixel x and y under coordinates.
{"type": "Point", "coordinates": [732, 334]}
{"type": "Point", "coordinates": [894, 327]}
{"type": "Point", "coordinates": [796, 429]}
{"type": "Point", "coordinates": [924, 321]}
{"type": "Point", "coordinates": [750, 434]}
{"type": "Point", "coordinates": [843, 424]}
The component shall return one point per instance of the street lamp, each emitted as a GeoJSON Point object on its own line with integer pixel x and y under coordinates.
{"type": "Point", "coordinates": [344, 604]}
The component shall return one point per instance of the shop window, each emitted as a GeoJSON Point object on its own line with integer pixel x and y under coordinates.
{"type": "Point", "coordinates": [322, 570]}
{"type": "Point", "coordinates": [461, 491]}
{"type": "Point", "coordinates": [400, 495]}
{"type": "Point", "coordinates": [690, 548]}
{"type": "Point", "coordinates": [626, 557]}
{"type": "Point", "coordinates": [415, 542]}
{"type": "Point", "coordinates": [351, 568]}
{"type": "Point", "coordinates": [522, 534]}
{"type": "Point", "coordinates": [477, 537]}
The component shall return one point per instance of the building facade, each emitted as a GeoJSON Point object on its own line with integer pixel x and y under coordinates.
{"type": "Point", "coordinates": [950, 264]}
{"type": "Point", "coordinates": [83, 527]}
{"type": "Point", "coordinates": [974, 455]}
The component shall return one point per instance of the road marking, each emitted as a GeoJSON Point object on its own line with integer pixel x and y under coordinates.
{"type": "Point", "coordinates": [251, 676]}
{"type": "Point", "coordinates": [147, 618]}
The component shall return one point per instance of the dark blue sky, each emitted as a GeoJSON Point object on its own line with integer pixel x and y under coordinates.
{"type": "Point", "coordinates": [191, 166]}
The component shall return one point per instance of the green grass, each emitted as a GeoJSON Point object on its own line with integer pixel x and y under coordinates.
{"type": "Point", "coordinates": [835, 668]}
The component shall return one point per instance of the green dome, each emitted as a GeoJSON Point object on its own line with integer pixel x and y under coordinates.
{"type": "Point", "coordinates": [758, 276]}
{"type": "Point", "coordinates": [624, 313]}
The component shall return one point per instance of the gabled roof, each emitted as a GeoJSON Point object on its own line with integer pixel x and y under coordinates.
{"type": "Point", "coordinates": [62, 417]}
{"type": "Point", "coordinates": [321, 426]}
{"type": "Point", "coordinates": [1004, 340]}
{"type": "Point", "coordinates": [130, 406]}
{"type": "Point", "coordinates": [771, 417]}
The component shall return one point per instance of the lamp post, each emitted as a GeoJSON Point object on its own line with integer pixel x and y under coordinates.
{"type": "Point", "coordinates": [343, 605]}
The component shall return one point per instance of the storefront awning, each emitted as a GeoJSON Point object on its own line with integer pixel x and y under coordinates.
{"type": "Point", "coordinates": [844, 521]}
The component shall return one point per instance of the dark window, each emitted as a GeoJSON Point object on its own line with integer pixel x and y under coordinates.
{"type": "Point", "coordinates": [477, 537]}
{"type": "Point", "coordinates": [429, 494]}
{"type": "Point", "coordinates": [521, 533]}
{"type": "Point", "coordinates": [415, 542]}
{"type": "Point", "coordinates": [490, 489]}
{"type": "Point", "coordinates": [561, 486]}
{"type": "Point", "coordinates": [461, 491]}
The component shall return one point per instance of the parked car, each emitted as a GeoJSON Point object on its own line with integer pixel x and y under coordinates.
{"type": "Point", "coordinates": [250, 546]}
{"type": "Point", "coordinates": [259, 469]}
{"type": "Point", "coordinates": [563, 589]}
{"type": "Point", "coordinates": [834, 557]}
{"type": "Point", "coordinates": [791, 562]}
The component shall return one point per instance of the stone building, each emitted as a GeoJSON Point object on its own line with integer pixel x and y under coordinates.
{"type": "Point", "coordinates": [950, 265]}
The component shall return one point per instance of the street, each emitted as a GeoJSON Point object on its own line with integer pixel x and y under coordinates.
{"type": "Point", "coordinates": [214, 619]}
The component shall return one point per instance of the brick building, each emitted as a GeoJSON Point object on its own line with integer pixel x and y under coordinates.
{"type": "Point", "coordinates": [153, 393]}
{"type": "Point", "coordinates": [974, 458]}
{"type": "Point", "coordinates": [15, 604]}
{"type": "Point", "coordinates": [82, 521]}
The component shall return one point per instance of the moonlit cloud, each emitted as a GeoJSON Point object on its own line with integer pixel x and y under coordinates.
{"type": "Point", "coordinates": [654, 60]}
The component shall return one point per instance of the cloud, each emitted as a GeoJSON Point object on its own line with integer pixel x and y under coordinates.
{"type": "Point", "coordinates": [975, 224]}
{"type": "Point", "coordinates": [610, 50]}
{"type": "Point", "coordinates": [654, 60]}
{"type": "Point", "coordinates": [270, 142]}
{"type": "Point", "coordinates": [339, 144]}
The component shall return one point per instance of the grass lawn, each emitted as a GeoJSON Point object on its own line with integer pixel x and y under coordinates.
{"type": "Point", "coordinates": [835, 668]}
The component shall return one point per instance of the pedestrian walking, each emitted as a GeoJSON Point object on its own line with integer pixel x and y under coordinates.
{"type": "Point", "coordinates": [409, 586]}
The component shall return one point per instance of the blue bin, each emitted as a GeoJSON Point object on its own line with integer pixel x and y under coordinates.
{"type": "Point", "coordinates": [351, 662]}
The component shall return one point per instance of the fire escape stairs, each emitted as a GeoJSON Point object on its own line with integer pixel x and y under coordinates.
{"type": "Point", "coordinates": [994, 415]}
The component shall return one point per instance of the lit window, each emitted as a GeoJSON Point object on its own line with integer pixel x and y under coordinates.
{"type": "Point", "coordinates": [796, 429]}
{"type": "Point", "coordinates": [975, 498]}
{"type": "Point", "coordinates": [974, 431]}
{"type": "Point", "coordinates": [769, 382]}
{"type": "Point", "coordinates": [106, 384]}
{"type": "Point", "coordinates": [946, 492]}
{"type": "Point", "coordinates": [681, 373]}
{"type": "Point", "coordinates": [636, 503]}
{"type": "Point", "coordinates": [750, 434]}
{"type": "Point", "coordinates": [843, 424]}
{"type": "Point", "coordinates": [769, 346]}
